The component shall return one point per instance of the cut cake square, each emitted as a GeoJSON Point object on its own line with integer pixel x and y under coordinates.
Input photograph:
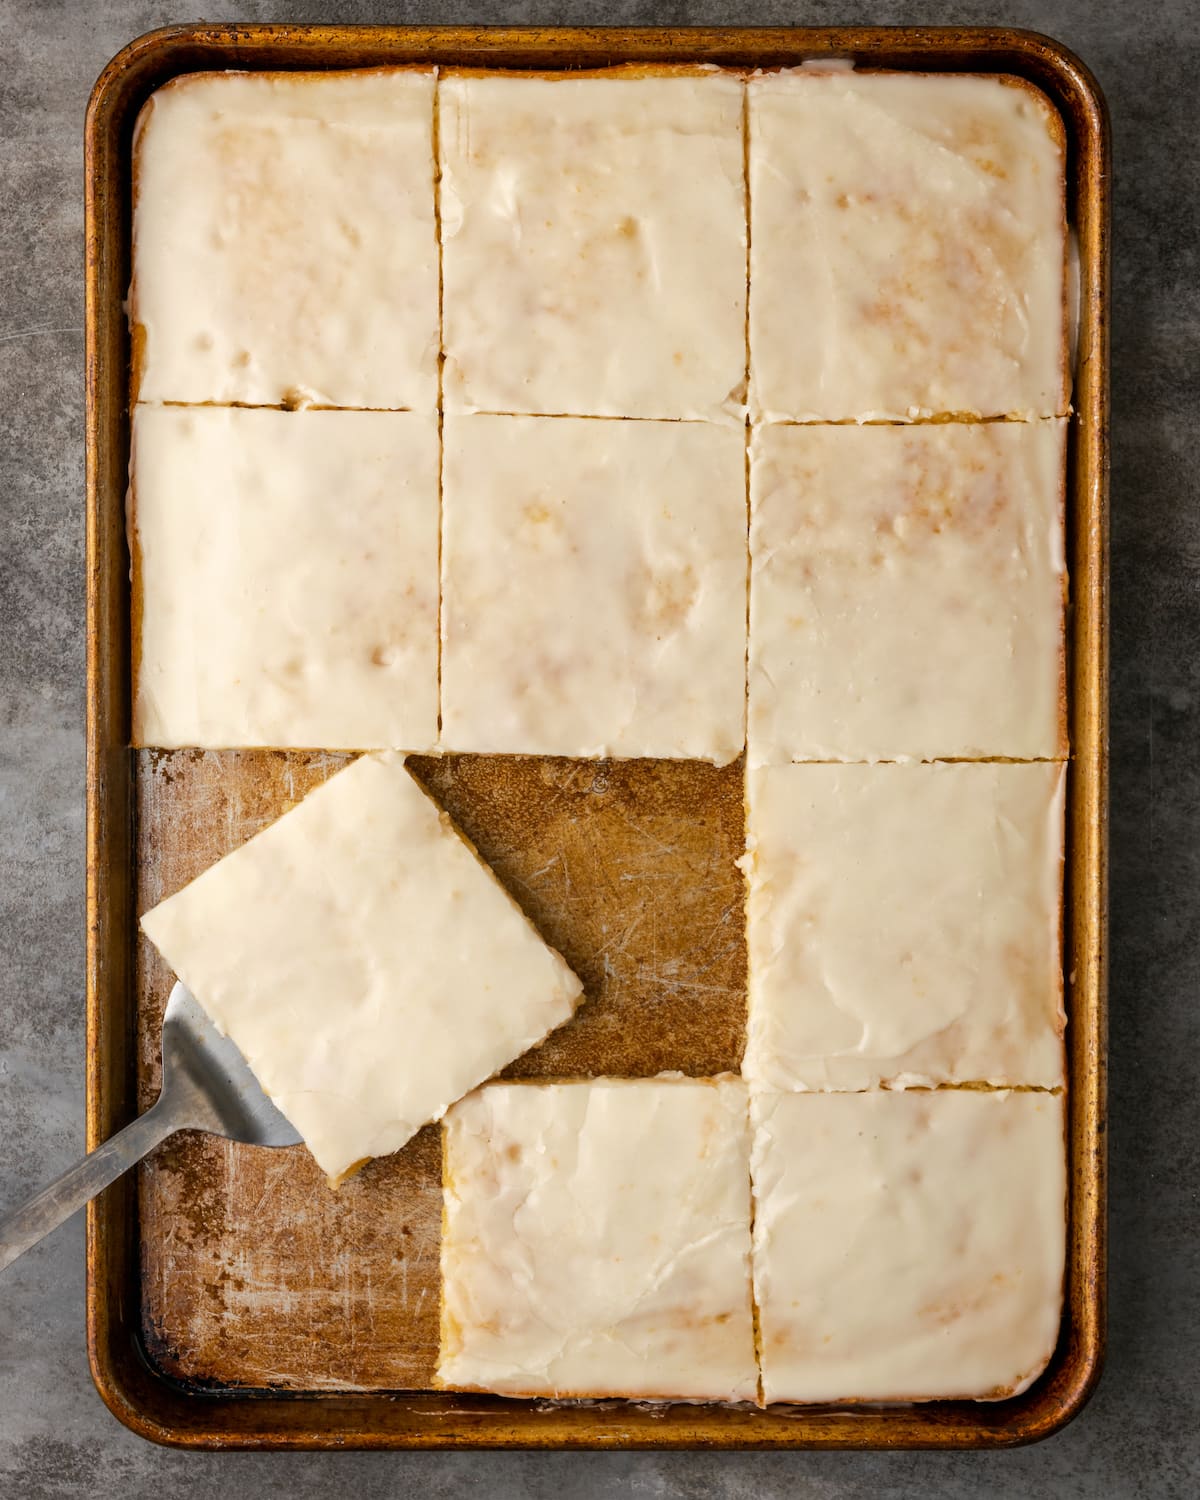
{"type": "Point", "coordinates": [908, 1246]}
{"type": "Point", "coordinates": [904, 925]}
{"type": "Point", "coordinates": [285, 569]}
{"type": "Point", "coordinates": [597, 1239]}
{"type": "Point", "coordinates": [593, 588]}
{"type": "Point", "coordinates": [908, 237]}
{"type": "Point", "coordinates": [284, 248]}
{"type": "Point", "coordinates": [907, 592]}
{"type": "Point", "coordinates": [594, 244]}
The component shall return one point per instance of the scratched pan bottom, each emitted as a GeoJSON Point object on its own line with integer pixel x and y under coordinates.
{"type": "Point", "coordinates": [253, 1273]}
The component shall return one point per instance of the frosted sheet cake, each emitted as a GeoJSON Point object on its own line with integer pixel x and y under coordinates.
{"type": "Point", "coordinates": [907, 596]}
{"type": "Point", "coordinates": [654, 446]}
{"type": "Point", "coordinates": [284, 249]}
{"type": "Point", "coordinates": [593, 588]}
{"type": "Point", "coordinates": [597, 1241]}
{"type": "Point", "coordinates": [285, 578]}
{"type": "Point", "coordinates": [370, 968]}
{"type": "Point", "coordinates": [907, 1246]}
{"type": "Point", "coordinates": [904, 925]}
{"type": "Point", "coordinates": [594, 244]}
{"type": "Point", "coordinates": [908, 237]}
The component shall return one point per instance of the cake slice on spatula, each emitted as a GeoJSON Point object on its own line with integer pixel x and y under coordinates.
{"type": "Point", "coordinates": [366, 962]}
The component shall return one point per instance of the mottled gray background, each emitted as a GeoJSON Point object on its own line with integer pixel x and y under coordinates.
{"type": "Point", "coordinates": [1141, 1433]}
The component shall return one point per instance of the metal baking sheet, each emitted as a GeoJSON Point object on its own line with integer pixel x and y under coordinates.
{"type": "Point", "coordinates": [232, 1301]}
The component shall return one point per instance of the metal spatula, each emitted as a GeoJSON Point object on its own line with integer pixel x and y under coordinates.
{"type": "Point", "coordinates": [206, 1085]}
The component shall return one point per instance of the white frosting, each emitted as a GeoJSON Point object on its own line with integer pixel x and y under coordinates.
{"type": "Point", "coordinates": [907, 591]}
{"type": "Point", "coordinates": [286, 567]}
{"type": "Point", "coordinates": [903, 923]}
{"type": "Point", "coordinates": [367, 964]}
{"type": "Point", "coordinates": [597, 1241]}
{"type": "Point", "coordinates": [594, 587]}
{"type": "Point", "coordinates": [283, 240]}
{"type": "Point", "coordinates": [907, 236]}
{"type": "Point", "coordinates": [594, 235]}
{"type": "Point", "coordinates": [907, 1246]}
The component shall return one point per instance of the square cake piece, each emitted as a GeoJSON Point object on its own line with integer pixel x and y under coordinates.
{"type": "Point", "coordinates": [908, 246]}
{"type": "Point", "coordinates": [284, 248]}
{"type": "Point", "coordinates": [907, 1246]}
{"type": "Point", "coordinates": [597, 1241]}
{"type": "Point", "coordinates": [907, 592]}
{"type": "Point", "coordinates": [285, 572]}
{"type": "Point", "coordinates": [594, 244]}
{"type": "Point", "coordinates": [593, 588]}
{"type": "Point", "coordinates": [368, 965]}
{"type": "Point", "coordinates": [904, 925]}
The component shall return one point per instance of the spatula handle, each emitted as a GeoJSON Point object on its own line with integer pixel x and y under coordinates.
{"type": "Point", "coordinates": [55, 1204]}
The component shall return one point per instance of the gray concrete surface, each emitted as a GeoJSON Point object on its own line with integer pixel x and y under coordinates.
{"type": "Point", "coordinates": [1141, 1434]}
